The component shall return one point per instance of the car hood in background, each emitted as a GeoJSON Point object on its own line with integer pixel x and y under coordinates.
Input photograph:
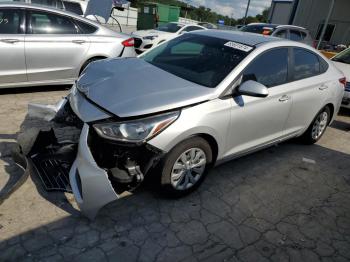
{"type": "Point", "coordinates": [345, 68]}
{"type": "Point", "coordinates": [142, 33]}
{"type": "Point", "coordinates": [130, 87]}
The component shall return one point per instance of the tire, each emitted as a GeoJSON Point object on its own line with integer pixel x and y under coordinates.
{"type": "Point", "coordinates": [193, 148]}
{"type": "Point", "coordinates": [317, 127]}
{"type": "Point", "coordinates": [89, 62]}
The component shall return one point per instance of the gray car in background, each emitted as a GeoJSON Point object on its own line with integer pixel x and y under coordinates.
{"type": "Point", "coordinates": [45, 46]}
{"type": "Point", "coordinates": [291, 32]}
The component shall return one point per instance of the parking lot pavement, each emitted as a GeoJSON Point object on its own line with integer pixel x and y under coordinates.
{"type": "Point", "coordinates": [286, 203]}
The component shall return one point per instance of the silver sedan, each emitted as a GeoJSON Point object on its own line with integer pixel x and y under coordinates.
{"type": "Point", "coordinates": [192, 103]}
{"type": "Point", "coordinates": [45, 46]}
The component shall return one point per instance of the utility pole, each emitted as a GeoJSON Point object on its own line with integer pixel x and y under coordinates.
{"type": "Point", "coordinates": [246, 13]}
{"type": "Point", "coordinates": [323, 32]}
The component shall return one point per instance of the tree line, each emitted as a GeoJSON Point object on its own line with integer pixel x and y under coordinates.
{"type": "Point", "coordinates": [205, 14]}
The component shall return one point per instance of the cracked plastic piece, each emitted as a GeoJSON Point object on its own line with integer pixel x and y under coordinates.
{"type": "Point", "coordinates": [45, 112]}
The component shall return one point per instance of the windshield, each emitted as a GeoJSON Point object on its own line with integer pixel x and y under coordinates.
{"type": "Point", "coordinates": [200, 59]}
{"type": "Point", "coordinates": [343, 57]}
{"type": "Point", "coordinates": [258, 29]}
{"type": "Point", "coordinates": [170, 28]}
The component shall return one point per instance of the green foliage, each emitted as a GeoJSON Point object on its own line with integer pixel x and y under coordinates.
{"type": "Point", "coordinates": [204, 14]}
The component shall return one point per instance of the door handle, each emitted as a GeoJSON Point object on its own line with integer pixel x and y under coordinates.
{"type": "Point", "coordinates": [10, 41]}
{"type": "Point", "coordinates": [284, 98]}
{"type": "Point", "coordinates": [323, 87]}
{"type": "Point", "coordinates": [79, 42]}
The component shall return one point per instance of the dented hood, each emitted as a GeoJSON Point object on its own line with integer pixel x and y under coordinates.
{"type": "Point", "coordinates": [130, 87]}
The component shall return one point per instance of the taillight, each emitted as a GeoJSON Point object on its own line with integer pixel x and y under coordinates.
{"type": "Point", "coordinates": [343, 81]}
{"type": "Point", "coordinates": [128, 42]}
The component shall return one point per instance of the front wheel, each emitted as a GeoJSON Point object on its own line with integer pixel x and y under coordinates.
{"type": "Point", "coordinates": [317, 127]}
{"type": "Point", "coordinates": [185, 167]}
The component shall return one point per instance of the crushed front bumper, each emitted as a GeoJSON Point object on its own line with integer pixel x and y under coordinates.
{"type": "Point", "coordinates": [99, 171]}
{"type": "Point", "coordinates": [90, 184]}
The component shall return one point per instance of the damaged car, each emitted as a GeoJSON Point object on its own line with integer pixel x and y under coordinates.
{"type": "Point", "coordinates": [192, 103]}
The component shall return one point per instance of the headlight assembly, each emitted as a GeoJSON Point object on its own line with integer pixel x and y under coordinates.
{"type": "Point", "coordinates": [136, 130]}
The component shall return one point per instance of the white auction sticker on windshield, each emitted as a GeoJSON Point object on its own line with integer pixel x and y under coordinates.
{"type": "Point", "coordinates": [239, 46]}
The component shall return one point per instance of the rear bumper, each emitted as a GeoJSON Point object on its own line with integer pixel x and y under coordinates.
{"type": "Point", "coordinates": [346, 100]}
{"type": "Point", "coordinates": [142, 45]}
{"type": "Point", "coordinates": [90, 184]}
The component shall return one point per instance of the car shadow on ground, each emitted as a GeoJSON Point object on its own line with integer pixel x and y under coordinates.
{"type": "Point", "coordinates": [33, 89]}
{"type": "Point", "coordinates": [289, 202]}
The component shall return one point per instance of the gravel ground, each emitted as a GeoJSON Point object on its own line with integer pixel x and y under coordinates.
{"type": "Point", "coordinates": [287, 203]}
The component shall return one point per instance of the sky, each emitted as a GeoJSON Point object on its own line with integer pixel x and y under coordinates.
{"type": "Point", "coordinates": [235, 8]}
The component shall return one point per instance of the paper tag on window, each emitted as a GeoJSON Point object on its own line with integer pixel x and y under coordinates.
{"type": "Point", "coordinates": [239, 46]}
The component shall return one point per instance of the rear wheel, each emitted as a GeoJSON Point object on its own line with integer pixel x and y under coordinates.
{"type": "Point", "coordinates": [317, 127]}
{"type": "Point", "coordinates": [185, 167]}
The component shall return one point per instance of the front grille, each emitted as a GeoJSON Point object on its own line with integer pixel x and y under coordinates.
{"type": "Point", "coordinates": [347, 87]}
{"type": "Point", "coordinates": [137, 42]}
{"type": "Point", "coordinates": [53, 172]}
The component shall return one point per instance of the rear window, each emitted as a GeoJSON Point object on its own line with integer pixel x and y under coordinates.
{"type": "Point", "coordinates": [85, 28]}
{"type": "Point", "coordinates": [200, 59]}
{"type": "Point", "coordinates": [258, 29]}
{"type": "Point", "coordinates": [295, 35]}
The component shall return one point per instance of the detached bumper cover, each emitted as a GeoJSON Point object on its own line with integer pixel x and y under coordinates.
{"type": "Point", "coordinates": [90, 184]}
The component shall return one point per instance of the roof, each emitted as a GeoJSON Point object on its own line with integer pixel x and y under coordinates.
{"type": "Point", "coordinates": [250, 39]}
{"type": "Point", "coordinates": [47, 8]}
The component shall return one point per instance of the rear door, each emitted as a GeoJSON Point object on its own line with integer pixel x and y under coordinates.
{"type": "Point", "coordinates": [309, 88]}
{"type": "Point", "coordinates": [12, 59]}
{"type": "Point", "coordinates": [54, 48]}
{"type": "Point", "coordinates": [259, 121]}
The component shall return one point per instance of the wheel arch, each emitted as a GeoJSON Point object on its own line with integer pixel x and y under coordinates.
{"type": "Point", "coordinates": [212, 143]}
{"type": "Point", "coordinates": [331, 108]}
{"type": "Point", "coordinates": [95, 57]}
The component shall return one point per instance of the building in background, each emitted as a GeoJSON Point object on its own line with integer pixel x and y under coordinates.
{"type": "Point", "coordinates": [312, 15]}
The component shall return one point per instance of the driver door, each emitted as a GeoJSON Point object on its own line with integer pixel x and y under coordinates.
{"type": "Point", "coordinates": [257, 122]}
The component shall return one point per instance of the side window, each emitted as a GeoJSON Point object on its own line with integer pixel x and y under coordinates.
{"type": "Point", "coordinates": [48, 23]}
{"type": "Point", "coordinates": [295, 35]}
{"type": "Point", "coordinates": [85, 28]}
{"type": "Point", "coordinates": [73, 7]}
{"type": "Point", "coordinates": [269, 69]}
{"type": "Point", "coordinates": [281, 34]}
{"type": "Point", "coordinates": [306, 64]}
{"type": "Point", "coordinates": [10, 21]}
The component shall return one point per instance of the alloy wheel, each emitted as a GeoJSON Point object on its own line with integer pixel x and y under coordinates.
{"type": "Point", "coordinates": [188, 169]}
{"type": "Point", "coordinates": [319, 126]}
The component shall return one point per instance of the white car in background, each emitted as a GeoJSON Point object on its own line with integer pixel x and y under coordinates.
{"type": "Point", "coordinates": [47, 46]}
{"type": "Point", "coordinates": [146, 39]}
{"type": "Point", "coordinates": [342, 62]}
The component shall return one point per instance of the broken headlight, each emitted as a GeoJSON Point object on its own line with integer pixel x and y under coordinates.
{"type": "Point", "coordinates": [136, 130]}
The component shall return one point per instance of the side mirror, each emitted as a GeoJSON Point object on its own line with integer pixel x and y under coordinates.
{"type": "Point", "coordinates": [252, 88]}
